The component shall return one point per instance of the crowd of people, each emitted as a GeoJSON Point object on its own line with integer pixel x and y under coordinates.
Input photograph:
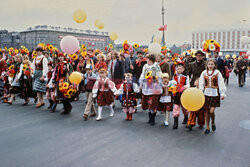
{"type": "Point", "coordinates": [153, 81]}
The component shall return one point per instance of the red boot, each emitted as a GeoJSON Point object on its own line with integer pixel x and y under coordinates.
{"type": "Point", "coordinates": [130, 117]}
{"type": "Point", "coordinates": [127, 118]}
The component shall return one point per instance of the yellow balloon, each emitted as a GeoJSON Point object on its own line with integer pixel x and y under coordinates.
{"type": "Point", "coordinates": [75, 77]}
{"type": "Point", "coordinates": [99, 24]}
{"type": "Point", "coordinates": [192, 99]}
{"type": "Point", "coordinates": [113, 36]}
{"type": "Point", "coordinates": [80, 16]}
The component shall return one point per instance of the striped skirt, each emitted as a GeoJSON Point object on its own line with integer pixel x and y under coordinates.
{"type": "Point", "coordinates": [39, 86]}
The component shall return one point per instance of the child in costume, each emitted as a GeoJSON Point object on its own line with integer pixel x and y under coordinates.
{"type": "Point", "coordinates": [194, 114]}
{"type": "Point", "coordinates": [89, 81]}
{"type": "Point", "coordinates": [104, 90]}
{"type": "Point", "coordinates": [212, 83]}
{"type": "Point", "coordinates": [151, 87]}
{"type": "Point", "coordinates": [182, 84]}
{"type": "Point", "coordinates": [50, 89]}
{"type": "Point", "coordinates": [166, 102]}
{"type": "Point", "coordinates": [128, 89]}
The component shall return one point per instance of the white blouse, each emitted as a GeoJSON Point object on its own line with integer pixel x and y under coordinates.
{"type": "Point", "coordinates": [212, 91]}
{"type": "Point", "coordinates": [45, 64]}
{"type": "Point", "coordinates": [106, 80]}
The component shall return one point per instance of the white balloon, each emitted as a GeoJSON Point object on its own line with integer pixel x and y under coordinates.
{"type": "Point", "coordinates": [244, 40]}
{"type": "Point", "coordinates": [154, 48]}
{"type": "Point", "coordinates": [157, 39]}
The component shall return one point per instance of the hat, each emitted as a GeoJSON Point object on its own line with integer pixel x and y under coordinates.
{"type": "Point", "coordinates": [180, 63]}
{"type": "Point", "coordinates": [102, 70]}
{"type": "Point", "coordinates": [199, 52]}
{"type": "Point", "coordinates": [88, 66]}
{"type": "Point", "coordinates": [60, 54]}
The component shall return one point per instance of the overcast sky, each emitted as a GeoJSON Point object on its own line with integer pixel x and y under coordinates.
{"type": "Point", "coordinates": [132, 20]}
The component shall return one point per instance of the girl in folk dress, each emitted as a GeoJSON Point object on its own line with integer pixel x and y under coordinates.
{"type": "Point", "coordinates": [50, 90]}
{"type": "Point", "coordinates": [40, 66]}
{"type": "Point", "coordinates": [166, 102]}
{"type": "Point", "coordinates": [104, 90]}
{"type": "Point", "coordinates": [151, 87]}
{"type": "Point", "coordinates": [128, 89]}
{"type": "Point", "coordinates": [14, 80]}
{"type": "Point", "coordinates": [212, 83]}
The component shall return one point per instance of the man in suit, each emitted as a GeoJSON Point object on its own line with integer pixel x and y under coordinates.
{"type": "Point", "coordinates": [115, 68]}
{"type": "Point", "coordinates": [220, 64]}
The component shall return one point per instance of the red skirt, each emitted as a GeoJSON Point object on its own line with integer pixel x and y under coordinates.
{"type": "Point", "coordinates": [211, 101]}
{"type": "Point", "coordinates": [150, 102]}
{"type": "Point", "coordinates": [105, 98]}
{"type": "Point", "coordinates": [165, 107]}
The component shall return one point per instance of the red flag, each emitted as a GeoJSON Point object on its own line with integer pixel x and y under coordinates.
{"type": "Point", "coordinates": [163, 28]}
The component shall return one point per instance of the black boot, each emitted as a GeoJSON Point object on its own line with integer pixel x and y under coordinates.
{"type": "Point", "coordinates": [53, 108]}
{"type": "Point", "coordinates": [153, 119]}
{"type": "Point", "coordinates": [185, 119]}
{"type": "Point", "coordinates": [50, 104]}
{"type": "Point", "coordinates": [149, 118]}
{"type": "Point", "coordinates": [175, 126]}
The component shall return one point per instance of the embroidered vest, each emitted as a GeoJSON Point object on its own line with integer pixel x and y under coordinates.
{"type": "Point", "coordinates": [39, 65]}
{"type": "Point", "coordinates": [214, 82]}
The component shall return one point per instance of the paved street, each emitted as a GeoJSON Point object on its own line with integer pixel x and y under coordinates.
{"type": "Point", "coordinates": [31, 137]}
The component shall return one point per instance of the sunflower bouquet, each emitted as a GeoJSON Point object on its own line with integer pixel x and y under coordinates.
{"type": "Point", "coordinates": [66, 89]}
{"type": "Point", "coordinates": [211, 46]}
{"type": "Point", "coordinates": [11, 71]}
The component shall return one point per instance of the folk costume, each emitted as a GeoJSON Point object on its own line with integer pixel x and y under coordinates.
{"type": "Point", "coordinates": [151, 89]}
{"type": "Point", "coordinates": [182, 83]}
{"type": "Point", "coordinates": [104, 90]}
{"type": "Point", "coordinates": [50, 88]}
{"type": "Point", "coordinates": [213, 86]}
{"type": "Point", "coordinates": [128, 90]}
{"type": "Point", "coordinates": [61, 73]}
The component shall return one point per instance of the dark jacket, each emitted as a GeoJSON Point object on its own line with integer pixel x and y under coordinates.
{"type": "Point", "coordinates": [195, 70]}
{"type": "Point", "coordinates": [221, 65]}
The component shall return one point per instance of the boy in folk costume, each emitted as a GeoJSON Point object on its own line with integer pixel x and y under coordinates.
{"type": "Point", "coordinates": [128, 90]}
{"type": "Point", "coordinates": [61, 72]}
{"type": "Point", "coordinates": [89, 81]}
{"type": "Point", "coordinates": [50, 90]}
{"type": "Point", "coordinates": [104, 90]}
{"type": "Point", "coordinates": [166, 103]}
{"type": "Point", "coordinates": [182, 84]}
{"type": "Point", "coordinates": [194, 114]}
{"type": "Point", "coordinates": [151, 87]}
{"type": "Point", "coordinates": [212, 83]}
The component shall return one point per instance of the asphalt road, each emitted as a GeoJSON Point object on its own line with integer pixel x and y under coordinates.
{"type": "Point", "coordinates": [31, 137]}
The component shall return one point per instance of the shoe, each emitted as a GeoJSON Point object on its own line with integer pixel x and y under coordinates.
{"type": "Point", "coordinates": [98, 118]}
{"type": "Point", "coordinates": [35, 99]}
{"type": "Point", "coordinates": [166, 123]}
{"type": "Point", "coordinates": [130, 117]}
{"type": "Point", "coordinates": [65, 112]}
{"type": "Point", "coordinates": [207, 131]}
{"type": "Point", "coordinates": [213, 127]}
{"type": "Point", "coordinates": [50, 104]}
{"type": "Point", "coordinates": [150, 118]}
{"type": "Point", "coordinates": [185, 120]}
{"type": "Point", "coordinates": [111, 115]}
{"type": "Point", "coordinates": [8, 102]}
{"type": "Point", "coordinates": [175, 126]}
{"type": "Point", "coordinates": [190, 127]}
{"type": "Point", "coordinates": [153, 119]}
{"type": "Point", "coordinates": [26, 103]}
{"type": "Point", "coordinates": [85, 117]}
{"type": "Point", "coordinates": [53, 108]}
{"type": "Point", "coordinates": [127, 118]}
{"type": "Point", "coordinates": [5, 101]}
{"type": "Point", "coordinates": [38, 105]}
{"type": "Point", "coordinates": [93, 115]}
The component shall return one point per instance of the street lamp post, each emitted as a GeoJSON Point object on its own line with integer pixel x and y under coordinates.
{"type": "Point", "coordinates": [163, 23]}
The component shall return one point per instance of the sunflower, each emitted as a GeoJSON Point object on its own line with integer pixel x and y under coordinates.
{"type": "Point", "coordinates": [26, 50]}
{"type": "Point", "coordinates": [163, 47]}
{"type": "Point", "coordinates": [83, 47]}
{"type": "Point", "coordinates": [149, 74]}
{"type": "Point", "coordinates": [74, 57]}
{"type": "Point", "coordinates": [66, 95]}
{"type": "Point", "coordinates": [65, 85]}
{"type": "Point", "coordinates": [10, 49]}
{"type": "Point", "coordinates": [16, 51]}
{"type": "Point", "coordinates": [50, 47]}
{"type": "Point", "coordinates": [136, 46]}
{"type": "Point", "coordinates": [34, 53]}
{"type": "Point", "coordinates": [125, 42]}
{"type": "Point", "coordinates": [24, 67]}
{"type": "Point", "coordinates": [145, 50]}
{"type": "Point", "coordinates": [110, 46]}
{"type": "Point", "coordinates": [11, 67]}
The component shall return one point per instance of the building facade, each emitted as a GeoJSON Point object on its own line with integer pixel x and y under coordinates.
{"type": "Point", "coordinates": [53, 35]}
{"type": "Point", "coordinates": [229, 39]}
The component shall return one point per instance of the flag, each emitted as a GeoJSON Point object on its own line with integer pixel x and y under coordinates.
{"type": "Point", "coordinates": [163, 28]}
